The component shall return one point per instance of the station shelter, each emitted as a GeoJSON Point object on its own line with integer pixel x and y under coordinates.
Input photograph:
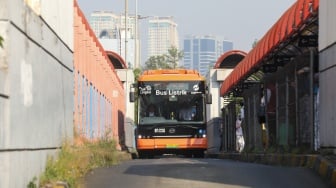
{"type": "Point", "coordinates": [217, 123]}
{"type": "Point", "coordinates": [278, 83]}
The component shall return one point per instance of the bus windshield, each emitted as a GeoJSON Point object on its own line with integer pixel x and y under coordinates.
{"type": "Point", "coordinates": [171, 102]}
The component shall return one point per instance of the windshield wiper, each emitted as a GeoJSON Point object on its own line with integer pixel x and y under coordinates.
{"type": "Point", "coordinates": [163, 124]}
{"type": "Point", "coordinates": [189, 126]}
{"type": "Point", "coordinates": [152, 126]}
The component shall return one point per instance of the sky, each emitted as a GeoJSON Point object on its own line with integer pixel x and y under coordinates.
{"type": "Point", "coordinates": [239, 21]}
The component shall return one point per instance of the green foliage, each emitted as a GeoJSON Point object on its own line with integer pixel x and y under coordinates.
{"type": "Point", "coordinates": [156, 62]}
{"type": "Point", "coordinates": [65, 168]}
{"type": "Point", "coordinates": [103, 154]}
{"type": "Point", "coordinates": [137, 73]}
{"type": "Point", "coordinates": [1, 41]}
{"type": "Point", "coordinates": [238, 101]}
{"type": "Point", "coordinates": [166, 61]}
{"type": "Point", "coordinates": [73, 162]}
{"type": "Point", "coordinates": [173, 56]}
{"type": "Point", "coordinates": [32, 184]}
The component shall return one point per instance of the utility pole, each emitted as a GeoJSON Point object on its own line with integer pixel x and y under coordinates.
{"type": "Point", "coordinates": [126, 15]}
{"type": "Point", "coordinates": [136, 48]}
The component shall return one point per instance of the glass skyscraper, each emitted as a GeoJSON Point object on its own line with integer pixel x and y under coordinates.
{"type": "Point", "coordinates": [201, 52]}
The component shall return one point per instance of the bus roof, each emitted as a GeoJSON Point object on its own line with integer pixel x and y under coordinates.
{"type": "Point", "coordinates": [171, 75]}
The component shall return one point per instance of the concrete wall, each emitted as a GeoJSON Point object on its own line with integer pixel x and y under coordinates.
{"type": "Point", "coordinates": [327, 48]}
{"type": "Point", "coordinates": [214, 113]}
{"type": "Point", "coordinates": [36, 86]}
{"type": "Point", "coordinates": [127, 77]}
{"type": "Point", "coordinates": [215, 79]}
{"type": "Point", "coordinates": [99, 96]}
{"type": "Point", "coordinates": [327, 25]}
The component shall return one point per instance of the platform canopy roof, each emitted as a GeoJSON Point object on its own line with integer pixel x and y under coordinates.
{"type": "Point", "coordinates": [289, 26]}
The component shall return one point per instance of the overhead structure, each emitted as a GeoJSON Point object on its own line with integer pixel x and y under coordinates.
{"type": "Point", "coordinates": [116, 60]}
{"type": "Point", "coordinates": [230, 59]}
{"type": "Point", "coordinates": [295, 27]}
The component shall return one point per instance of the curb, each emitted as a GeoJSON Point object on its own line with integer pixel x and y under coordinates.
{"type": "Point", "coordinates": [326, 169]}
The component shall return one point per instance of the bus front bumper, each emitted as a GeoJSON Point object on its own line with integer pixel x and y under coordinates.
{"type": "Point", "coordinates": [172, 143]}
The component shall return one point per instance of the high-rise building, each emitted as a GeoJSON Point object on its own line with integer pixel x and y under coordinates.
{"type": "Point", "coordinates": [162, 35]}
{"type": "Point", "coordinates": [201, 52]}
{"type": "Point", "coordinates": [105, 24]}
{"type": "Point", "coordinates": [113, 35]}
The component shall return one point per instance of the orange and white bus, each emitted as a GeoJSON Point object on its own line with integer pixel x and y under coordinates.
{"type": "Point", "coordinates": [171, 113]}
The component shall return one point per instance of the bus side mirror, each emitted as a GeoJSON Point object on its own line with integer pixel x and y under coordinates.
{"type": "Point", "coordinates": [132, 94]}
{"type": "Point", "coordinates": [208, 98]}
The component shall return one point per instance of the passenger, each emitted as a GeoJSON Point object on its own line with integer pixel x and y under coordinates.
{"type": "Point", "coordinates": [151, 110]}
{"type": "Point", "coordinates": [240, 142]}
{"type": "Point", "coordinates": [186, 113]}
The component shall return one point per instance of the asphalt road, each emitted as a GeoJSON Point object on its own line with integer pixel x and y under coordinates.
{"type": "Point", "coordinates": [175, 172]}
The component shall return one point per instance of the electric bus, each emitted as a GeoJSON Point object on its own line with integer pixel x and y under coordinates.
{"type": "Point", "coordinates": [171, 113]}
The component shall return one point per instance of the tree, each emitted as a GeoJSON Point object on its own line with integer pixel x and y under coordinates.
{"type": "Point", "coordinates": [156, 62]}
{"type": "Point", "coordinates": [173, 56]}
{"type": "Point", "coordinates": [166, 61]}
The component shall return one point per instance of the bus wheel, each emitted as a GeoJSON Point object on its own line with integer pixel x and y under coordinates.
{"type": "Point", "coordinates": [145, 155]}
{"type": "Point", "coordinates": [141, 155]}
{"type": "Point", "coordinates": [199, 154]}
{"type": "Point", "coordinates": [188, 154]}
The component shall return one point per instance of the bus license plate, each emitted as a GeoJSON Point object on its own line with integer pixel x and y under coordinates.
{"type": "Point", "coordinates": [171, 146]}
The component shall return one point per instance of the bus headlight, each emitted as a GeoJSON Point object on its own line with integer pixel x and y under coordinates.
{"type": "Point", "coordinates": [139, 136]}
{"type": "Point", "coordinates": [202, 132]}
